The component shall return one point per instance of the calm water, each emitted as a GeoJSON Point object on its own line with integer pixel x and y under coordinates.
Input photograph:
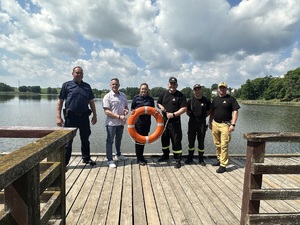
{"type": "Point", "coordinates": [40, 111]}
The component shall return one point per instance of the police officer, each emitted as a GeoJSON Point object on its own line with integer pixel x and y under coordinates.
{"type": "Point", "coordinates": [78, 96]}
{"type": "Point", "coordinates": [143, 123]}
{"type": "Point", "coordinates": [198, 109]}
{"type": "Point", "coordinates": [172, 104]}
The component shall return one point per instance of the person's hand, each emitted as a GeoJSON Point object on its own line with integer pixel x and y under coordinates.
{"type": "Point", "coordinates": [94, 119]}
{"type": "Point", "coordinates": [170, 115]}
{"type": "Point", "coordinates": [59, 122]}
{"type": "Point", "coordinates": [125, 111]}
{"type": "Point", "coordinates": [209, 126]}
{"type": "Point", "coordinates": [123, 118]}
{"type": "Point", "coordinates": [163, 109]}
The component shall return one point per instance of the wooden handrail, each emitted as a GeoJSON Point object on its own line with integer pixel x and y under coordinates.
{"type": "Point", "coordinates": [34, 174]}
{"type": "Point", "coordinates": [254, 170]}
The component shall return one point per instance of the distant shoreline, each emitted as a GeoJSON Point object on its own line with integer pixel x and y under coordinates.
{"type": "Point", "coordinates": [269, 102]}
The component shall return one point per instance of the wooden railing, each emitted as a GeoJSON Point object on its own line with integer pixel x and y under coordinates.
{"type": "Point", "coordinates": [32, 178]}
{"type": "Point", "coordinates": [254, 170]}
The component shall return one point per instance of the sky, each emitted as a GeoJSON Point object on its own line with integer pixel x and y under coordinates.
{"type": "Point", "coordinates": [137, 41]}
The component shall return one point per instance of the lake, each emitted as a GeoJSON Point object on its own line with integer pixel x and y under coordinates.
{"type": "Point", "coordinates": [40, 111]}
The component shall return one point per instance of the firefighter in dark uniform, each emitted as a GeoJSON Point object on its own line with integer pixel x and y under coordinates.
{"type": "Point", "coordinates": [143, 123]}
{"type": "Point", "coordinates": [172, 104]}
{"type": "Point", "coordinates": [78, 96]}
{"type": "Point", "coordinates": [198, 109]}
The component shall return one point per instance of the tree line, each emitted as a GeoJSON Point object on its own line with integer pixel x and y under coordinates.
{"type": "Point", "coordinates": [285, 88]}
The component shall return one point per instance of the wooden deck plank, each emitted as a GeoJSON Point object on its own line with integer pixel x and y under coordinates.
{"type": "Point", "coordinates": [102, 208]}
{"type": "Point", "coordinates": [163, 209]}
{"type": "Point", "coordinates": [116, 195]}
{"type": "Point", "coordinates": [127, 207]}
{"type": "Point", "coordinates": [87, 178]}
{"type": "Point", "coordinates": [139, 214]}
{"type": "Point", "coordinates": [173, 204]}
{"type": "Point", "coordinates": [160, 194]}
{"type": "Point", "coordinates": [150, 206]}
{"type": "Point", "coordinates": [92, 201]}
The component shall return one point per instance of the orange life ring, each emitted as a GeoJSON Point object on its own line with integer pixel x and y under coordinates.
{"type": "Point", "coordinates": [133, 118]}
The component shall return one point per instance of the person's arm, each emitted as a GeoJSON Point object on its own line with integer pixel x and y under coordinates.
{"type": "Point", "coordinates": [109, 113]}
{"type": "Point", "coordinates": [234, 119]}
{"type": "Point", "coordinates": [177, 113]}
{"type": "Point", "coordinates": [59, 105]}
{"type": "Point", "coordinates": [93, 108]}
{"type": "Point", "coordinates": [211, 117]}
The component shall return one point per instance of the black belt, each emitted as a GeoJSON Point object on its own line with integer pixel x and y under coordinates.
{"type": "Point", "coordinates": [79, 114]}
{"type": "Point", "coordinates": [220, 121]}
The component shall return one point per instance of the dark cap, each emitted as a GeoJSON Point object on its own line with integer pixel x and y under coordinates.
{"type": "Point", "coordinates": [172, 80]}
{"type": "Point", "coordinates": [197, 86]}
{"type": "Point", "coordinates": [222, 84]}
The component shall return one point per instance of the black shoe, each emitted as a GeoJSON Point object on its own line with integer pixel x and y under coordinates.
{"type": "Point", "coordinates": [89, 161]}
{"type": "Point", "coordinates": [217, 163]}
{"type": "Point", "coordinates": [163, 158]}
{"type": "Point", "coordinates": [142, 162]}
{"type": "Point", "coordinates": [188, 161]}
{"type": "Point", "coordinates": [221, 169]}
{"type": "Point", "coordinates": [202, 163]}
{"type": "Point", "coordinates": [177, 165]}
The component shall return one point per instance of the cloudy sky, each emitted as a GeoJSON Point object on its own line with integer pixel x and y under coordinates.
{"type": "Point", "coordinates": [197, 41]}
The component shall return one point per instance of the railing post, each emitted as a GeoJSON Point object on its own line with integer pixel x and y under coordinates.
{"type": "Point", "coordinates": [59, 156]}
{"type": "Point", "coordinates": [255, 154]}
{"type": "Point", "coordinates": [22, 198]}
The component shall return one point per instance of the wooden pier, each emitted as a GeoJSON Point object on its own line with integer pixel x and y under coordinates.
{"type": "Point", "coordinates": [36, 187]}
{"type": "Point", "coordinates": [160, 194]}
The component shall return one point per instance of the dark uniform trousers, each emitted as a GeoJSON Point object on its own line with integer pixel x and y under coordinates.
{"type": "Point", "coordinates": [196, 128]}
{"type": "Point", "coordinates": [142, 129]}
{"type": "Point", "coordinates": [80, 121]}
{"type": "Point", "coordinates": [173, 132]}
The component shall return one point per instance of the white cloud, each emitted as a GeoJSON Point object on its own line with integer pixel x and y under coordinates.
{"type": "Point", "coordinates": [139, 41]}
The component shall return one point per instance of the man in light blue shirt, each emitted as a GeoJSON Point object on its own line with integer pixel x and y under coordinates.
{"type": "Point", "coordinates": [115, 107]}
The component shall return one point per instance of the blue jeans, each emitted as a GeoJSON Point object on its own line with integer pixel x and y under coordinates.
{"type": "Point", "coordinates": [113, 132]}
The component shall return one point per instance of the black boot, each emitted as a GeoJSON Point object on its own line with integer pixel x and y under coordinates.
{"type": "Point", "coordinates": [201, 159]}
{"type": "Point", "coordinates": [190, 157]}
{"type": "Point", "coordinates": [165, 156]}
{"type": "Point", "coordinates": [178, 161]}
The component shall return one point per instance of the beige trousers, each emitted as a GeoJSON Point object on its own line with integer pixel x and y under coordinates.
{"type": "Point", "coordinates": [221, 136]}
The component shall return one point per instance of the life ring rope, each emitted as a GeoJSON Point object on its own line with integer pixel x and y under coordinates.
{"type": "Point", "coordinates": [160, 126]}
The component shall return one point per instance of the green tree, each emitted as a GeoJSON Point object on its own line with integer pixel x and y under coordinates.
{"type": "Point", "coordinates": [4, 87]}
{"type": "Point", "coordinates": [188, 92]}
{"type": "Point", "coordinates": [157, 91]}
{"type": "Point", "coordinates": [23, 89]}
{"type": "Point", "coordinates": [292, 84]}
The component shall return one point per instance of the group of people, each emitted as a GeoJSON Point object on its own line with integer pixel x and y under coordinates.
{"type": "Point", "coordinates": [79, 105]}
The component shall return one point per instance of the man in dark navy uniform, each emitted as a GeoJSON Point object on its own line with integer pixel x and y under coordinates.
{"type": "Point", "coordinates": [78, 96]}
{"type": "Point", "coordinates": [172, 104]}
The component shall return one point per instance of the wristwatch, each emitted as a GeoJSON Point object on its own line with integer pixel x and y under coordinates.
{"type": "Point", "coordinates": [232, 125]}
{"type": "Point", "coordinates": [174, 115]}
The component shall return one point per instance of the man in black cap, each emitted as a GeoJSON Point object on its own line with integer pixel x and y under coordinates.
{"type": "Point", "coordinates": [224, 114]}
{"type": "Point", "coordinates": [198, 109]}
{"type": "Point", "coordinates": [172, 103]}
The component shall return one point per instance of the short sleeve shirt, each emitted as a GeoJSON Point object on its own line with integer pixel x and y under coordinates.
{"type": "Point", "coordinates": [198, 107]}
{"type": "Point", "coordinates": [115, 102]}
{"type": "Point", "coordinates": [223, 107]}
{"type": "Point", "coordinates": [77, 96]}
{"type": "Point", "coordinates": [172, 102]}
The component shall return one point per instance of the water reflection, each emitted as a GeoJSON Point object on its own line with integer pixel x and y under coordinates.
{"type": "Point", "coordinates": [4, 98]}
{"type": "Point", "coordinates": [30, 97]}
